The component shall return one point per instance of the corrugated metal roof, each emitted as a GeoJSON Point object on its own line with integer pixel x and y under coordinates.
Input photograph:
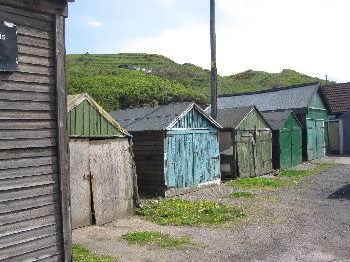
{"type": "Point", "coordinates": [75, 100]}
{"type": "Point", "coordinates": [293, 97]}
{"type": "Point", "coordinates": [155, 118]}
{"type": "Point", "coordinates": [231, 117]}
{"type": "Point", "coordinates": [277, 119]}
{"type": "Point", "coordinates": [337, 97]}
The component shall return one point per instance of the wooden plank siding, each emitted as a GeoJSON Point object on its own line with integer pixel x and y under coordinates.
{"type": "Point", "coordinates": [33, 215]}
{"type": "Point", "coordinates": [148, 150]}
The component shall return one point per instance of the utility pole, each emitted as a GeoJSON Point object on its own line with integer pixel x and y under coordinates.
{"type": "Point", "coordinates": [214, 72]}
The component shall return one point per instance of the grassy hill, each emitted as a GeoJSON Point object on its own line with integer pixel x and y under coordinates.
{"type": "Point", "coordinates": [162, 81]}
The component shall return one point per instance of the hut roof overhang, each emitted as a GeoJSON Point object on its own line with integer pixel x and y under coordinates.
{"type": "Point", "coordinates": [158, 118]}
{"type": "Point", "coordinates": [75, 100]}
{"type": "Point", "coordinates": [277, 119]}
{"type": "Point", "coordinates": [231, 118]}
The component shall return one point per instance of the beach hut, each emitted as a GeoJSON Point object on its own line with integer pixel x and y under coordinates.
{"type": "Point", "coordinates": [101, 164]}
{"type": "Point", "coordinates": [304, 100]}
{"type": "Point", "coordinates": [175, 146]}
{"type": "Point", "coordinates": [287, 139]}
{"type": "Point", "coordinates": [245, 143]}
{"type": "Point", "coordinates": [34, 167]}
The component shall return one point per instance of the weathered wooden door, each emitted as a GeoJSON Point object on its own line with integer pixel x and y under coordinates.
{"type": "Point", "coordinates": [245, 153]}
{"type": "Point", "coordinates": [112, 180]}
{"type": "Point", "coordinates": [80, 183]}
{"type": "Point", "coordinates": [311, 139]}
{"type": "Point", "coordinates": [286, 148]}
{"type": "Point", "coordinates": [264, 152]}
{"type": "Point", "coordinates": [180, 161]}
{"type": "Point", "coordinates": [206, 157]}
{"type": "Point", "coordinates": [192, 159]}
{"type": "Point", "coordinates": [320, 139]}
{"type": "Point", "coordinates": [297, 148]}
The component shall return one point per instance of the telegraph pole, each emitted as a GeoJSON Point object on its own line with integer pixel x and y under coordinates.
{"type": "Point", "coordinates": [214, 73]}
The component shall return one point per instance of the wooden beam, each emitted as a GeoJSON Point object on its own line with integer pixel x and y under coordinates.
{"type": "Point", "coordinates": [214, 73]}
{"type": "Point", "coordinates": [62, 138]}
{"type": "Point", "coordinates": [41, 6]}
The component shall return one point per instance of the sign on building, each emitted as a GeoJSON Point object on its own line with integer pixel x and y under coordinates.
{"type": "Point", "coordinates": [8, 47]}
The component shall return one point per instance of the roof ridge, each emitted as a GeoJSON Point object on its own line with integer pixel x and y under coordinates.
{"type": "Point", "coordinates": [270, 90]}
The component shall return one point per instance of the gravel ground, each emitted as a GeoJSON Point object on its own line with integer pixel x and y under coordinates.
{"type": "Point", "coordinates": [306, 222]}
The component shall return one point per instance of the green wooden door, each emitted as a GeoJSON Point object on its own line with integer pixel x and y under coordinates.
{"type": "Point", "coordinates": [311, 139]}
{"type": "Point", "coordinates": [245, 154]}
{"type": "Point", "coordinates": [286, 148]}
{"type": "Point", "coordinates": [263, 151]}
{"type": "Point", "coordinates": [297, 147]}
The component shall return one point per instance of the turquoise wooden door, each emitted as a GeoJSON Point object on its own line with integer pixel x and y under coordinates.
{"type": "Point", "coordinates": [192, 159]}
{"type": "Point", "coordinates": [179, 161]}
{"type": "Point", "coordinates": [206, 158]}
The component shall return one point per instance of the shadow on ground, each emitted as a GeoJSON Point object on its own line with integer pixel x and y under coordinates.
{"type": "Point", "coordinates": [341, 193]}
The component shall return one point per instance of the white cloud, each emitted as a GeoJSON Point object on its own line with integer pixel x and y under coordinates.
{"type": "Point", "coordinates": [308, 36]}
{"type": "Point", "coordinates": [92, 22]}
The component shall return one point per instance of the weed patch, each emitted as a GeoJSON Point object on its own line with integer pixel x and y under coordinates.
{"type": "Point", "coordinates": [157, 238]}
{"type": "Point", "coordinates": [82, 254]}
{"type": "Point", "coordinates": [242, 195]}
{"type": "Point", "coordinates": [311, 172]}
{"type": "Point", "coordinates": [184, 212]}
{"type": "Point", "coordinates": [259, 183]}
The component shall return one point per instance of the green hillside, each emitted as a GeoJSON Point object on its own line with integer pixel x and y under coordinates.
{"type": "Point", "coordinates": [163, 82]}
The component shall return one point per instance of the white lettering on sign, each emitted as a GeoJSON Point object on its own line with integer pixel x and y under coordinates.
{"type": "Point", "coordinates": [3, 37]}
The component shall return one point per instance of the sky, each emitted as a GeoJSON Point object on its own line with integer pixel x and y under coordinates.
{"type": "Point", "coordinates": [309, 36]}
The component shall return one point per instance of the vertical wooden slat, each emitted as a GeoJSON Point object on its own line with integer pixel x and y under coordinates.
{"type": "Point", "coordinates": [62, 138]}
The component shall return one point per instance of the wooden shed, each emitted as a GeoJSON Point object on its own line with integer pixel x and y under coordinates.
{"type": "Point", "coordinates": [337, 99]}
{"type": "Point", "coordinates": [304, 100]}
{"type": "Point", "coordinates": [101, 164]}
{"type": "Point", "coordinates": [287, 148]}
{"type": "Point", "coordinates": [176, 146]}
{"type": "Point", "coordinates": [245, 143]}
{"type": "Point", "coordinates": [34, 165]}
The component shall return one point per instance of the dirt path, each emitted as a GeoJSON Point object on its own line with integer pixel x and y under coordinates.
{"type": "Point", "coordinates": [308, 222]}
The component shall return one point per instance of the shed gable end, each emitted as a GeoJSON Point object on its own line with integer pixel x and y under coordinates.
{"type": "Point", "coordinates": [194, 120]}
{"type": "Point", "coordinates": [253, 120]}
{"type": "Point", "coordinates": [85, 121]}
{"type": "Point", "coordinates": [317, 102]}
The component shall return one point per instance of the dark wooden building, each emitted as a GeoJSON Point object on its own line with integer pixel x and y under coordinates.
{"type": "Point", "coordinates": [304, 100]}
{"type": "Point", "coordinates": [34, 167]}
{"type": "Point", "coordinates": [245, 143]}
{"type": "Point", "coordinates": [176, 146]}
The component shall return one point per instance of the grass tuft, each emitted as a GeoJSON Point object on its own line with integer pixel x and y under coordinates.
{"type": "Point", "coordinates": [82, 254]}
{"type": "Point", "coordinates": [311, 172]}
{"type": "Point", "coordinates": [157, 238]}
{"type": "Point", "coordinates": [242, 195]}
{"type": "Point", "coordinates": [259, 183]}
{"type": "Point", "coordinates": [184, 212]}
